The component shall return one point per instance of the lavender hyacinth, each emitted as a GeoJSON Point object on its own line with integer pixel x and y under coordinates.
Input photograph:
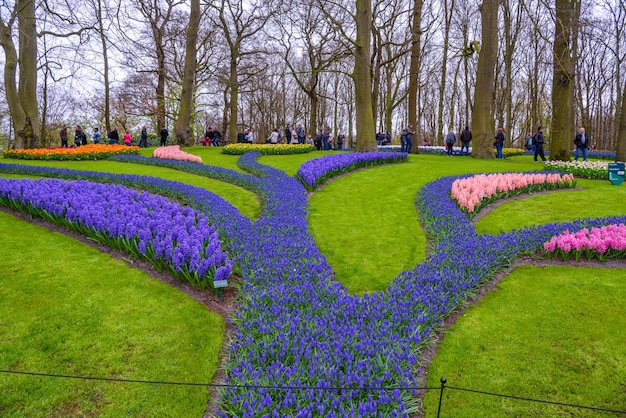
{"type": "Point", "coordinates": [141, 223]}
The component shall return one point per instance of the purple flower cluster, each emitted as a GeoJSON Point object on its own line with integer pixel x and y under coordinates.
{"type": "Point", "coordinates": [147, 225]}
{"type": "Point", "coordinates": [297, 327]}
{"type": "Point", "coordinates": [317, 171]}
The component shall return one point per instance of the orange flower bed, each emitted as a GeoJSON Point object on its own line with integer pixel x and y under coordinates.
{"type": "Point", "coordinates": [86, 152]}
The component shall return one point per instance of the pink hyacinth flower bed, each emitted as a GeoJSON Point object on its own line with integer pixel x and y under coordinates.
{"type": "Point", "coordinates": [474, 193]}
{"type": "Point", "coordinates": [173, 152]}
{"type": "Point", "coordinates": [602, 243]}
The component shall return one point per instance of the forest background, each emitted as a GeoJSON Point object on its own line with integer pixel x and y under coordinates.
{"type": "Point", "coordinates": [264, 64]}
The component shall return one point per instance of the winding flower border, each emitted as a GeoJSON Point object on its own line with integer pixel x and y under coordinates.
{"type": "Point", "coordinates": [298, 327]}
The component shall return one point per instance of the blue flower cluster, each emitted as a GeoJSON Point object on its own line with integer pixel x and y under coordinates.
{"type": "Point", "coordinates": [303, 346]}
{"type": "Point", "coordinates": [147, 225]}
{"type": "Point", "coordinates": [315, 172]}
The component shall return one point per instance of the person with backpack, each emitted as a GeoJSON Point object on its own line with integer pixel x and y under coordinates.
{"type": "Point", "coordinates": [538, 142]}
{"type": "Point", "coordinates": [466, 137]}
{"type": "Point", "coordinates": [582, 144]}
{"type": "Point", "coordinates": [499, 143]}
{"type": "Point", "coordinates": [530, 144]}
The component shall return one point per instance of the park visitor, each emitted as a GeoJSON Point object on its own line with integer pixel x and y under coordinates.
{"type": "Point", "coordinates": [582, 144]}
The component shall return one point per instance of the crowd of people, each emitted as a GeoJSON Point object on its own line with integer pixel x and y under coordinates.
{"type": "Point", "coordinates": [113, 137]}
{"type": "Point", "coordinates": [325, 140]}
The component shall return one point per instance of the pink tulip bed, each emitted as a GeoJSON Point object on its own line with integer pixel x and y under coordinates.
{"type": "Point", "coordinates": [474, 193]}
{"type": "Point", "coordinates": [173, 152]}
{"type": "Point", "coordinates": [602, 243]}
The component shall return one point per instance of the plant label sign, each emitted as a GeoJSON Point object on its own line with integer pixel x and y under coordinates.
{"type": "Point", "coordinates": [220, 283]}
{"type": "Point", "coordinates": [616, 173]}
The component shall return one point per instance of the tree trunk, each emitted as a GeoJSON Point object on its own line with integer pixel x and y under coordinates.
{"type": "Point", "coordinates": [561, 131]}
{"type": "Point", "coordinates": [414, 67]}
{"type": "Point", "coordinates": [105, 59]}
{"type": "Point", "coordinates": [482, 119]}
{"type": "Point", "coordinates": [29, 128]}
{"type": "Point", "coordinates": [160, 89]}
{"type": "Point", "coordinates": [22, 97]}
{"type": "Point", "coordinates": [182, 129]}
{"type": "Point", "coordinates": [362, 76]}
{"type": "Point", "coordinates": [234, 97]}
{"type": "Point", "coordinates": [621, 132]}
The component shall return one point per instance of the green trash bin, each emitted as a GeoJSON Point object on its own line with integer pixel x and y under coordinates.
{"type": "Point", "coordinates": [616, 173]}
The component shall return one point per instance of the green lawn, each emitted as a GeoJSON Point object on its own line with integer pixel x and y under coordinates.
{"type": "Point", "coordinates": [553, 333]}
{"type": "Point", "coordinates": [69, 309]}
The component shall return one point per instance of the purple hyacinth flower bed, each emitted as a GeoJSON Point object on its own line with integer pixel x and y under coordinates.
{"type": "Point", "coordinates": [317, 171]}
{"type": "Point", "coordinates": [145, 225]}
{"type": "Point", "coordinates": [332, 353]}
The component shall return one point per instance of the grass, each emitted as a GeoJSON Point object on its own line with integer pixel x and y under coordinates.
{"type": "Point", "coordinates": [69, 309]}
{"type": "Point", "coordinates": [366, 224]}
{"type": "Point", "coordinates": [599, 198]}
{"type": "Point", "coordinates": [553, 333]}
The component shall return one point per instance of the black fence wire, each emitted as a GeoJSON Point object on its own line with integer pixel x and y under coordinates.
{"type": "Point", "coordinates": [444, 387]}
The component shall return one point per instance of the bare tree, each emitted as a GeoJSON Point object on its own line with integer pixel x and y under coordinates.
{"type": "Point", "coordinates": [182, 128]}
{"type": "Point", "coordinates": [240, 23]}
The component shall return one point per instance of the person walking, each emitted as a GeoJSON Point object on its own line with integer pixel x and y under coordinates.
{"type": "Point", "coordinates": [96, 136]}
{"type": "Point", "coordinates": [63, 135]}
{"type": "Point", "coordinates": [340, 138]}
{"type": "Point", "coordinates": [408, 139]}
{"type": "Point", "coordinates": [582, 144]}
{"type": "Point", "coordinates": [300, 134]}
{"type": "Point", "coordinates": [450, 140]}
{"type": "Point", "coordinates": [164, 135]}
{"type": "Point", "coordinates": [79, 136]}
{"type": "Point", "coordinates": [143, 138]}
{"type": "Point", "coordinates": [530, 144]}
{"type": "Point", "coordinates": [466, 137]}
{"type": "Point", "coordinates": [288, 135]}
{"type": "Point", "coordinates": [538, 142]}
{"type": "Point", "coordinates": [325, 135]}
{"type": "Point", "coordinates": [499, 143]}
